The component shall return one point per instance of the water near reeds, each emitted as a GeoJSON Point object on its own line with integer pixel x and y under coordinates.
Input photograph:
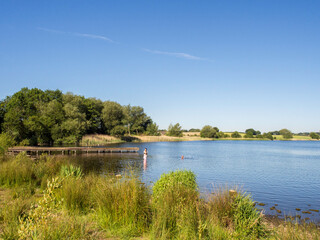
{"type": "Point", "coordinates": [281, 175]}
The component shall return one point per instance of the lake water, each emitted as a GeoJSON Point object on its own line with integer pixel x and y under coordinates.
{"type": "Point", "coordinates": [285, 173]}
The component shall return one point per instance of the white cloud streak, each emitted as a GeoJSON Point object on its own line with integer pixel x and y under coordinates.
{"type": "Point", "coordinates": [175, 54]}
{"type": "Point", "coordinates": [85, 35]}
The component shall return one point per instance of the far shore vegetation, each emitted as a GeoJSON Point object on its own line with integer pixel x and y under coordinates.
{"type": "Point", "coordinates": [53, 198]}
{"type": "Point", "coordinates": [32, 117]}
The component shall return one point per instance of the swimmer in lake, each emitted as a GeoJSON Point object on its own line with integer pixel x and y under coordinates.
{"type": "Point", "coordinates": [145, 152]}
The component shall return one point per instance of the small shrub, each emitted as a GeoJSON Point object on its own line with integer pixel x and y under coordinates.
{"type": "Point", "coordinates": [17, 170]}
{"type": "Point", "coordinates": [247, 219]}
{"type": "Point", "coordinates": [220, 207]}
{"type": "Point", "coordinates": [177, 209]}
{"type": "Point", "coordinates": [173, 179]}
{"type": "Point", "coordinates": [6, 141]}
{"type": "Point", "coordinates": [71, 171]}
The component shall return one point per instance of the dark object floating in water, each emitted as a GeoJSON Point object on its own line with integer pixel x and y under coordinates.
{"type": "Point", "coordinates": [306, 212]}
{"type": "Point", "coordinates": [306, 219]}
{"type": "Point", "coordinates": [276, 204]}
{"type": "Point", "coordinates": [298, 209]}
{"type": "Point", "coordinates": [278, 210]}
{"type": "Point", "coordinates": [261, 204]}
{"type": "Point", "coordinates": [314, 210]}
{"type": "Point", "coordinates": [309, 205]}
{"type": "Point", "coordinates": [298, 216]}
{"type": "Point", "coordinates": [273, 208]}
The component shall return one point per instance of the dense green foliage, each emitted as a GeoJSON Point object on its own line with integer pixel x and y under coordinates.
{"type": "Point", "coordinates": [268, 135]}
{"type": "Point", "coordinates": [174, 130]}
{"type": "Point", "coordinates": [194, 130]}
{"type": "Point", "coordinates": [287, 134]}
{"type": "Point", "coordinates": [209, 132]}
{"type": "Point", "coordinates": [235, 135]}
{"type": "Point", "coordinates": [33, 116]}
{"type": "Point", "coordinates": [314, 136]}
{"type": "Point", "coordinates": [173, 179]}
{"type": "Point", "coordinates": [6, 141]}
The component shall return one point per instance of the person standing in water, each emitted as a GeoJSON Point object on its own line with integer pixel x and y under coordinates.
{"type": "Point", "coordinates": [145, 154]}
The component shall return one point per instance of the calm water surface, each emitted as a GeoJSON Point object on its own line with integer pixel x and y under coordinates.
{"type": "Point", "coordinates": [285, 173]}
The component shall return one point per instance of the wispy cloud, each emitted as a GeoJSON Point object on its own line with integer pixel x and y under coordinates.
{"type": "Point", "coordinates": [85, 35]}
{"type": "Point", "coordinates": [175, 54]}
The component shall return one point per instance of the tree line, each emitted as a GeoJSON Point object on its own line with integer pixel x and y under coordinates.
{"type": "Point", "coordinates": [214, 132]}
{"type": "Point", "coordinates": [34, 116]}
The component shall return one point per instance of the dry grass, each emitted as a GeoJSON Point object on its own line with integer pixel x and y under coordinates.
{"type": "Point", "coordinates": [100, 139]}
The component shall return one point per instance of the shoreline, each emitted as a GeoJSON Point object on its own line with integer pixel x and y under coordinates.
{"type": "Point", "coordinates": [100, 139]}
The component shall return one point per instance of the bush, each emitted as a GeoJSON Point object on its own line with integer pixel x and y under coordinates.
{"type": "Point", "coordinates": [236, 135]}
{"type": "Point", "coordinates": [174, 179]}
{"type": "Point", "coordinates": [6, 141]}
{"type": "Point", "coordinates": [314, 136]}
{"type": "Point", "coordinates": [152, 130]}
{"type": "Point", "coordinates": [268, 136]}
{"type": "Point", "coordinates": [287, 134]}
{"type": "Point", "coordinates": [247, 219]}
{"type": "Point", "coordinates": [209, 132]}
{"type": "Point", "coordinates": [176, 207]}
{"type": "Point", "coordinates": [71, 171]}
{"type": "Point", "coordinates": [174, 130]}
{"type": "Point", "coordinates": [118, 131]}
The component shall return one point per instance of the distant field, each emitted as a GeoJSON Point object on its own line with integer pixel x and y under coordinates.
{"type": "Point", "coordinates": [295, 137]}
{"type": "Point", "coordinates": [100, 139]}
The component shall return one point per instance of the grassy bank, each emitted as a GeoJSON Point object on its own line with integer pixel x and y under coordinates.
{"type": "Point", "coordinates": [51, 199]}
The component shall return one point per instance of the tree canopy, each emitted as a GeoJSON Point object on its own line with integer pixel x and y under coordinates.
{"type": "Point", "coordinates": [287, 134]}
{"type": "Point", "coordinates": [314, 135]}
{"type": "Point", "coordinates": [174, 130]}
{"type": "Point", "coordinates": [209, 132]}
{"type": "Point", "coordinates": [34, 116]}
{"type": "Point", "coordinates": [236, 135]}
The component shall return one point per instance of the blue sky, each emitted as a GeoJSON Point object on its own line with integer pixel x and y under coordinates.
{"type": "Point", "coordinates": [230, 64]}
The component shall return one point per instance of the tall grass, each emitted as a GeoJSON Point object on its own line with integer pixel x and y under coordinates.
{"type": "Point", "coordinates": [10, 212]}
{"type": "Point", "coordinates": [122, 205]}
{"type": "Point", "coordinates": [17, 171]}
{"type": "Point", "coordinates": [76, 193]}
{"type": "Point", "coordinates": [290, 230]}
{"type": "Point", "coordinates": [176, 214]}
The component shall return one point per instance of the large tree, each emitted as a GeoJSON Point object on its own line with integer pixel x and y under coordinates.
{"type": "Point", "coordinates": [209, 132]}
{"type": "Point", "coordinates": [287, 134]}
{"type": "Point", "coordinates": [174, 130]}
{"type": "Point", "coordinates": [112, 115]}
{"type": "Point", "coordinates": [135, 119]}
{"type": "Point", "coordinates": [313, 135]}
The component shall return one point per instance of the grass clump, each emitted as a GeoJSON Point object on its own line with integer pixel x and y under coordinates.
{"type": "Point", "coordinates": [122, 205]}
{"type": "Point", "coordinates": [247, 219]}
{"type": "Point", "coordinates": [76, 193]}
{"type": "Point", "coordinates": [17, 171]}
{"type": "Point", "coordinates": [177, 207]}
{"type": "Point", "coordinates": [174, 179]}
{"type": "Point", "coordinates": [70, 171]}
